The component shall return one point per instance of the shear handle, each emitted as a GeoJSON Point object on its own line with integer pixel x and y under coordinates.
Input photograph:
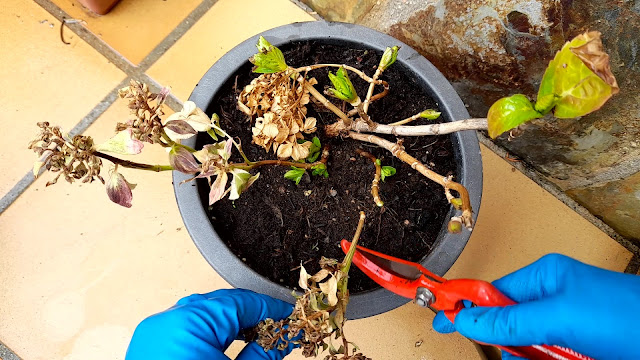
{"type": "Point", "coordinates": [449, 296]}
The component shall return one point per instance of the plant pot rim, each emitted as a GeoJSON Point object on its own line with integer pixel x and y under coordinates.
{"type": "Point", "coordinates": [467, 155]}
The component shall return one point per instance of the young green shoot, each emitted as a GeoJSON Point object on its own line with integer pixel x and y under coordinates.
{"type": "Point", "coordinates": [386, 172]}
{"type": "Point", "coordinates": [269, 58]}
{"type": "Point", "coordinates": [295, 174]}
{"type": "Point", "coordinates": [342, 87]}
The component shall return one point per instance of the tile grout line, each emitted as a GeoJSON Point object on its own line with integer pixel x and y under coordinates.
{"type": "Point", "coordinates": [7, 354]}
{"type": "Point", "coordinates": [86, 121]}
{"type": "Point", "coordinates": [175, 35]}
{"type": "Point", "coordinates": [307, 9]}
{"type": "Point", "coordinates": [634, 266]}
{"type": "Point", "coordinates": [554, 190]}
{"type": "Point", "coordinates": [132, 71]}
{"type": "Point", "coordinates": [135, 72]}
{"type": "Point", "coordinates": [90, 38]}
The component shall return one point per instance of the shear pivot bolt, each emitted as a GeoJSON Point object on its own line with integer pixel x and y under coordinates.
{"type": "Point", "coordinates": [424, 297]}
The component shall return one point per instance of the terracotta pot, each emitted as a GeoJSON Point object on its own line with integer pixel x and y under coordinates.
{"type": "Point", "coordinates": [100, 7]}
{"type": "Point", "coordinates": [447, 247]}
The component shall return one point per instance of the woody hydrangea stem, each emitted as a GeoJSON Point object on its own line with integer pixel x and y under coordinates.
{"type": "Point", "coordinates": [398, 151]}
{"type": "Point", "coordinates": [131, 164]}
{"type": "Point", "coordinates": [421, 130]}
{"type": "Point", "coordinates": [170, 142]}
{"type": "Point", "coordinates": [360, 73]}
{"type": "Point", "coordinates": [254, 164]}
{"type": "Point", "coordinates": [376, 178]}
{"type": "Point", "coordinates": [346, 263]}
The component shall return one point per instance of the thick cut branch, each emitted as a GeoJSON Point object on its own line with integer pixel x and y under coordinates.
{"type": "Point", "coordinates": [421, 130]}
{"type": "Point", "coordinates": [398, 151]}
{"type": "Point", "coordinates": [376, 179]}
{"type": "Point", "coordinates": [131, 164]}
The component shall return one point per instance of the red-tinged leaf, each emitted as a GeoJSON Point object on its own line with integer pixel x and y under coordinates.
{"type": "Point", "coordinates": [182, 160]}
{"type": "Point", "coordinates": [180, 127]}
{"type": "Point", "coordinates": [118, 189]}
{"type": "Point", "coordinates": [579, 78]}
{"type": "Point", "coordinates": [217, 188]}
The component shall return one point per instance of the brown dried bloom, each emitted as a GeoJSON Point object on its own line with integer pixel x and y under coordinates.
{"type": "Point", "coordinates": [317, 317]}
{"type": "Point", "coordinates": [279, 103]}
{"type": "Point", "coordinates": [146, 107]}
{"type": "Point", "coordinates": [74, 158]}
{"type": "Point", "coordinates": [596, 59]}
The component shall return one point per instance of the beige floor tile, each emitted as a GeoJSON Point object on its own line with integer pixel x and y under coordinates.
{"type": "Point", "coordinates": [80, 272]}
{"type": "Point", "coordinates": [134, 27]}
{"type": "Point", "coordinates": [519, 222]}
{"type": "Point", "coordinates": [42, 79]}
{"type": "Point", "coordinates": [214, 34]}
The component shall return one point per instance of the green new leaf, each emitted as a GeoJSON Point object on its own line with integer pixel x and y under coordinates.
{"type": "Point", "coordinates": [387, 171]}
{"type": "Point", "coordinates": [342, 87]}
{"type": "Point", "coordinates": [430, 114]}
{"type": "Point", "coordinates": [508, 113]}
{"type": "Point", "coordinates": [215, 130]}
{"type": "Point", "coordinates": [295, 174]}
{"type": "Point", "coordinates": [320, 170]}
{"type": "Point", "coordinates": [578, 80]}
{"type": "Point", "coordinates": [388, 57]}
{"type": "Point", "coordinates": [546, 103]}
{"type": "Point", "coordinates": [314, 150]}
{"type": "Point", "coordinates": [241, 181]}
{"type": "Point", "coordinates": [457, 203]}
{"type": "Point", "coordinates": [269, 59]}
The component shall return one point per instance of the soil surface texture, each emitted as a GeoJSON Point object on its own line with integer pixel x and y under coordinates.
{"type": "Point", "coordinates": [276, 225]}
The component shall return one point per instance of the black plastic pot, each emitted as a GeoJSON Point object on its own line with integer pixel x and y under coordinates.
{"type": "Point", "coordinates": [447, 247]}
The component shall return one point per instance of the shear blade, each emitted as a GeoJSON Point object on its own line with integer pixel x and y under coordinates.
{"type": "Point", "coordinates": [398, 269]}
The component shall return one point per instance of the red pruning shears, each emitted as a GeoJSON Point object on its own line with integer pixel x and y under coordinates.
{"type": "Point", "coordinates": [413, 281]}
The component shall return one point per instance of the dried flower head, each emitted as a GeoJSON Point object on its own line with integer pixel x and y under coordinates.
{"type": "Point", "coordinates": [279, 103]}
{"type": "Point", "coordinates": [317, 317]}
{"type": "Point", "coordinates": [146, 107]}
{"type": "Point", "coordinates": [74, 158]}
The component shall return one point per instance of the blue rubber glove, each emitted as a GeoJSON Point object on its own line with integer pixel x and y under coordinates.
{"type": "Point", "coordinates": [202, 326]}
{"type": "Point", "coordinates": [561, 302]}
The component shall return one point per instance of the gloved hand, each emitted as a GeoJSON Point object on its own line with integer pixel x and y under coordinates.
{"type": "Point", "coordinates": [561, 302]}
{"type": "Point", "coordinates": [202, 326]}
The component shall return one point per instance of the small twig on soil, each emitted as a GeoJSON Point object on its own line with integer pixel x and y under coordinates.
{"type": "Point", "coordinates": [131, 164]}
{"type": "Point", "coordinates": [398, 151]}
{"type": "Point", "coordinates": [407, 120]}
{"type": "Point", "coordinates": [420, 130]}
{"type": "Point", "coordinates": [376, 178]}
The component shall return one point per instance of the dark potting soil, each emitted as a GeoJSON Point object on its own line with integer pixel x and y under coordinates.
{"type": "Point", "coordinates": [276, 225]}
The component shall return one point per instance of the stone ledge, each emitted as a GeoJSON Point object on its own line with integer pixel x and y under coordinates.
{"type": "Point", "coordinates": [488, 52]}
